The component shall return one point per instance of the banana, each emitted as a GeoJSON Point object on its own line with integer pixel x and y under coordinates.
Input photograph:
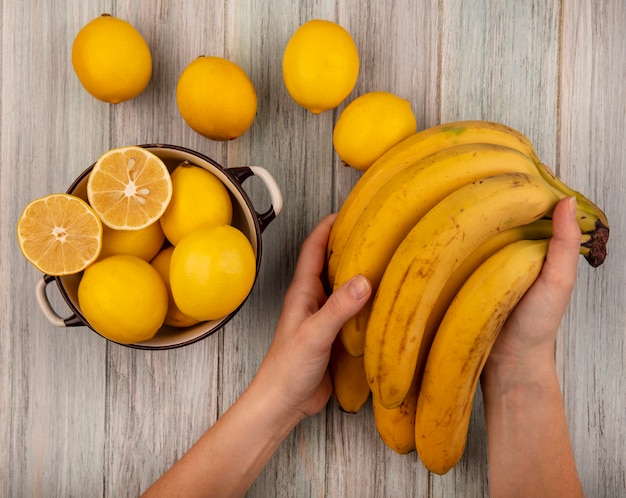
{"type": "Point", "coordinates": [426, 259]}
{"type": "Point", "coordinates": [396, 426]}
{"type": "Point", "coordinates": [348, 375]}
{"type": "Point", "coordinates": [461, 347]}
{"type": "Point", "coordinates": [591, 219]}
{"type": "Point", "coordinates": [406, 153]}
{"type": "Point", "coordinates": [540, 229]}
{"type": "Point", "coordinates": [399, 205]}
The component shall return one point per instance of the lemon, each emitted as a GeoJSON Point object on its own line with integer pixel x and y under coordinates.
{"type": "Point", "coordinates": [174, 317]}
{"type": "Point", "coordinates": [123, 298]}
{"type": "Point", "coordinates": [198, 198]}
{"type": "Point", "coordinates": [111, 59]}
{"type": "Point", "coordinates": [59, 234]}
{"type": "Point", "coordinates": [144, 243]}
{"type": "Point", "coordinates": [320, 65]}
{"type": "Point", "coordinates": [212, 271]}
{"type": "Point", "coordinates": [216, 98]}
{"type": "Point", "coordinates": [370, 125]}
{"type": "Point", "coordinates": [129, 188]}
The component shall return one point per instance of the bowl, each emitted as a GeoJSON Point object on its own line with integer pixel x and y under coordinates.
{"type": "Point", "coordinates": [245, 217]}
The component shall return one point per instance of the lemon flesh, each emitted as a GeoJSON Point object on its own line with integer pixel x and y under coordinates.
{"type": "Point", "coordinates": [129, 188]}
{"type": "Point", "coordinates": [59, 234]}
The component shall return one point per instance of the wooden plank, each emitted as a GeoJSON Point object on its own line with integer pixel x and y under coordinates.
{"type": "Point", "coordinates": [398, 49]}
{"type": "Point", "coordinates": [499, 62]}
{"type": "Point", "coordinates": [160, 402]}
{"type": "Point", "coordinates": [52, 387]}
{"type": "Point", "coordinates": [81, 417]}
{"type": "Point", "coordinates": [591, 157]}
{"type": "Point", "coordinates": [402, 58]}
{"type": "Point", "coordinates": [284, 139]}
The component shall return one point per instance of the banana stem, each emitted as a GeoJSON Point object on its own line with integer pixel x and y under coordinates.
{"type": "Point", "coordinates": [591, 219]}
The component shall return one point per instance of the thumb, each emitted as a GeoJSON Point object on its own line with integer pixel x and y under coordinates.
{"type": "Point", "coordinates": [343, 303]}
{"type": "Point", "coordinates": [559, 272]}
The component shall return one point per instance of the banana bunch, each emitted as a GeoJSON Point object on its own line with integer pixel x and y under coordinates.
{"type": "Point", "coordinates": [451, 226]}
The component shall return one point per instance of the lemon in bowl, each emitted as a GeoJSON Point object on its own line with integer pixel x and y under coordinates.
{"type": "Point", "coordinates": [198, 198]}
{"type": "Point", "coordinates": [59, 234]}
{"type": "Point", "coordinates": [144, 243]}
{"type": "Point", "coordinates": [124, 298]}
{"type": "Point", "coordinates": [212, 271]}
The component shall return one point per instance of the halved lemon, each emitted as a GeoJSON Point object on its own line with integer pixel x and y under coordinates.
{"type": "Point", "coordinates": [129, 188]}
{"type": "Point", "coordinates": [59, 234]}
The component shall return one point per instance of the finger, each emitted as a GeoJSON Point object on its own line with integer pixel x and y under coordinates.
{"type": "Point", "coordinates": [305, 294]}
{"type": "Point", "coordinates": [559, 270]}
{"type": "Point", "coordinates": [342, 304]}
{"type": "Point", "coordinates": [313, 250]}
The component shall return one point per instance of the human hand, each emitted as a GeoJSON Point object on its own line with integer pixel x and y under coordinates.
{"type": "Point", "coordinates": [529, 334]}
{"type": "Point", "coordinates": [530, 453]}
{"type": "Point", "coordinates": [296, 363]}
{"type": "Point", "coordinates": [291, 384]}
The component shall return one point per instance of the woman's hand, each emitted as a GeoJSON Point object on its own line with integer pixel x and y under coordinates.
{"type": "Point", "coordinates": [291, 384]}
{"type": "Point", "coordinates": [298, 357]}
{"type": "Point", "coordinates": [530, 332]}
{"type": "Point", "coordinates": [530, 453]}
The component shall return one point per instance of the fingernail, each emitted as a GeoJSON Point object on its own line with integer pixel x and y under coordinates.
{"type": "Point", "coordinates": [571, 204]}
{"type": "Point", "coordinates": [358, 287]}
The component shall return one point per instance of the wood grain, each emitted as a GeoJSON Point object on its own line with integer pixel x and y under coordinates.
{"type": "Point", "coordinates": [83, 417]}
{"type": "Point", "coordinates": [592, 152]}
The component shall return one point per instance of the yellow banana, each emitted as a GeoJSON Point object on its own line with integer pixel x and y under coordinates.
{"type": "Point", "coordinates": [426, 259]}
{"type": "Point", "coordinates": [461, 347]}
{"type": "Point", "coordinates": [348, 375]}
{"type": "Point", "coordinates": [406, 153]}
{"type": "Point", "coordinates": [396, 426]}
{"type": "Point", "coordinates": [399, 205]}
{"type": "Point", "coordinates": [591, 219]}
{"type": "Point", "coordinates": [540, 229]}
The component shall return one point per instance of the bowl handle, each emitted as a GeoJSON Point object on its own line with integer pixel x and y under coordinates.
{"type": "Point", "coordinates": [53, 317]}
{"type": "Point", "coordinates": [241, 173]}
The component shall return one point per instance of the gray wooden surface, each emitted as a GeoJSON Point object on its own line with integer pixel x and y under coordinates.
{"type": "Point", "coordinates": [83, 417]}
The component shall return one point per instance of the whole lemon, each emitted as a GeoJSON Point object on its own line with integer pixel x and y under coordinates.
{"type": "Point", "coordinates": [198, 198]}
{"type": "Point", "coordinates": [111, 59]}
{"type": "Point", "coordinates": [216, 98]}
{"type": "Point", "coordinates": [123, 298]}
{"type": "Point", "coordinates": [144, 243]}
{"type": "Point", "coordinates": [370, 125]}
{"type": "Point", "coordinates": [320, 65]}
{"type": "Point", "coordinates": [174, 317]}
{"type": "Point", "coordinates": [212, 271]}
